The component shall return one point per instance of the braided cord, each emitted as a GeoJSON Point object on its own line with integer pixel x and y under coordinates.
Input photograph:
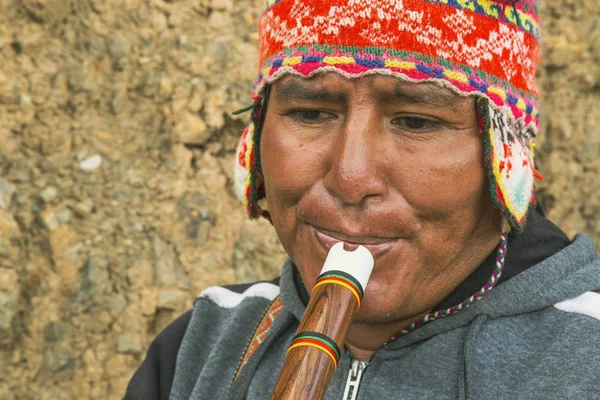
{"type": "Point", "coordinates": [496, 273]}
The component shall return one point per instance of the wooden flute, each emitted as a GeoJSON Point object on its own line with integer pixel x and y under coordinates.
{"type": "Point", "coordinates": [314, 353]}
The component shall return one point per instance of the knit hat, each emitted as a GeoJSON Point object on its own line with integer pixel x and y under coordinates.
{"type": "Point", "coordinates": [488, 49]}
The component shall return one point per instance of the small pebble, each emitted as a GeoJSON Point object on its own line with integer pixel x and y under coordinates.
{"type": "Point", "coordinates": [91, 163]}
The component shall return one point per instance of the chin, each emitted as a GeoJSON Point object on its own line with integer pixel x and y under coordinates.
{"type": "Point", "coordinates": [370, 313]}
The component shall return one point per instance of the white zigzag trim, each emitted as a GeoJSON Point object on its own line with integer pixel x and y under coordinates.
{"type": "Point", "coordinates": [288, 70]}
{"type": "Point", "coordinates": [240, 175]}
{"type": "Point", "coordinates": [226, 298]}
{"type": "Point", "coordinates": [587, 304]}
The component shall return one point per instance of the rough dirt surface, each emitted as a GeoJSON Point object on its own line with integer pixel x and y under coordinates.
{"type": "Point", "coordinates": [116, 146]}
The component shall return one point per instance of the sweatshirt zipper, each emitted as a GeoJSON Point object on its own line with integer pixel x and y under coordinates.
{"type": "Point", "coordinates": [357, 368]}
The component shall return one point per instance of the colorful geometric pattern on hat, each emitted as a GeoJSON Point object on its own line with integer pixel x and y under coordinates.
{"type": "Point", "coordinates": [523, 14]}
{"type": "Point", "coordinates": [436, 30]}
{"type": "Point", "coordinates": [483, 48]}
{"type": "Point", "coordinates": [355, 61]}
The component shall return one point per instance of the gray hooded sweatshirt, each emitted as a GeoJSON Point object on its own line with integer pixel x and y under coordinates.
{"type": "Point", "coordinates": [536, 336]}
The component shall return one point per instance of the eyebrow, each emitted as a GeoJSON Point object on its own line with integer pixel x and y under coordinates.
{"type": "Point", "coordinates": [296, 91]}
{"type": "Point", "coordinates": [424, 94]}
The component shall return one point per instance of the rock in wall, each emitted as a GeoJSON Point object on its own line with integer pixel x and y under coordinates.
{"type": "Point", "coordinates": [116, 147]}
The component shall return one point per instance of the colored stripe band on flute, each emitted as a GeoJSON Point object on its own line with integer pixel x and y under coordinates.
{"type": "Point", "coordinates": [343, 279]}
{"type": "Point", "coordinates": [318, 341]}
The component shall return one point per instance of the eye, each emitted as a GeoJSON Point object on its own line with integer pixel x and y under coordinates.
{"type": "Point", "coordinates": [311, 116]}
{"type": "Point", "coordinates": [416, 124]}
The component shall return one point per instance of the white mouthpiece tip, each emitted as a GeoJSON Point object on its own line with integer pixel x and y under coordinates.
{"type": "Point", "coordinates": [358, 263]}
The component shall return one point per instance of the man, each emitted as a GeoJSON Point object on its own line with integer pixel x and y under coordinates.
{"type": "Point", "coordinates": [404, 126]}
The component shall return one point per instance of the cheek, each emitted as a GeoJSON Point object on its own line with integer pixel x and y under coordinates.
{"type": "Point", "coordinates": [287, 170]}
{"type": "Point", "coordinates": [290, 169]}
{"type": "Point", "coordinates": [291, 165]}
{"type": "Point", "coordinates": [445, 177]}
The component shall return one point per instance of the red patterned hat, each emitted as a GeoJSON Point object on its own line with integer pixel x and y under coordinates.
{"type": "Point", "coordinates": [483, 48]}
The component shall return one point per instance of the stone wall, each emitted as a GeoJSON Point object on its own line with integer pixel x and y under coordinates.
{"type": "Point", "coordinates": [116, 146]}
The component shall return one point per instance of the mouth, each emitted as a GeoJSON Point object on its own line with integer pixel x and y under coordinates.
{"type": "Point", "coordinates": [378, 246]}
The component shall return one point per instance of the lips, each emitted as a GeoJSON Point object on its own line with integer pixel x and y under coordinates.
{"type": "Point", "coordinates": [378, 246]}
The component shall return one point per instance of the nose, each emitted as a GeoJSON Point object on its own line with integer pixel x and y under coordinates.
{"type": "Point", "coordinates": [355, 173]}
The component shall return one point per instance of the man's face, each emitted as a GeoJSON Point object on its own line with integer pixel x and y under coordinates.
{"type": "Point", "coordinates": [395, 166]}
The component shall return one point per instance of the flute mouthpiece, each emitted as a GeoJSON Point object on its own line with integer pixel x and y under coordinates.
{"type": "Point", "coordinates": [358, 263]}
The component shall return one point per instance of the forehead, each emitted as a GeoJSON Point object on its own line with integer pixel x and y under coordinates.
{"type": "Point", "coordinates": [336, 87]}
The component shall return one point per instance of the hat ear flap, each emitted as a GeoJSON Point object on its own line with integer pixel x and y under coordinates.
{"type": "Point", "coordinates": [249, 182]}
{"type": "Point", "coordinates": [242, 164]}
{"type": "Point", "coordinates": [509, 161]}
